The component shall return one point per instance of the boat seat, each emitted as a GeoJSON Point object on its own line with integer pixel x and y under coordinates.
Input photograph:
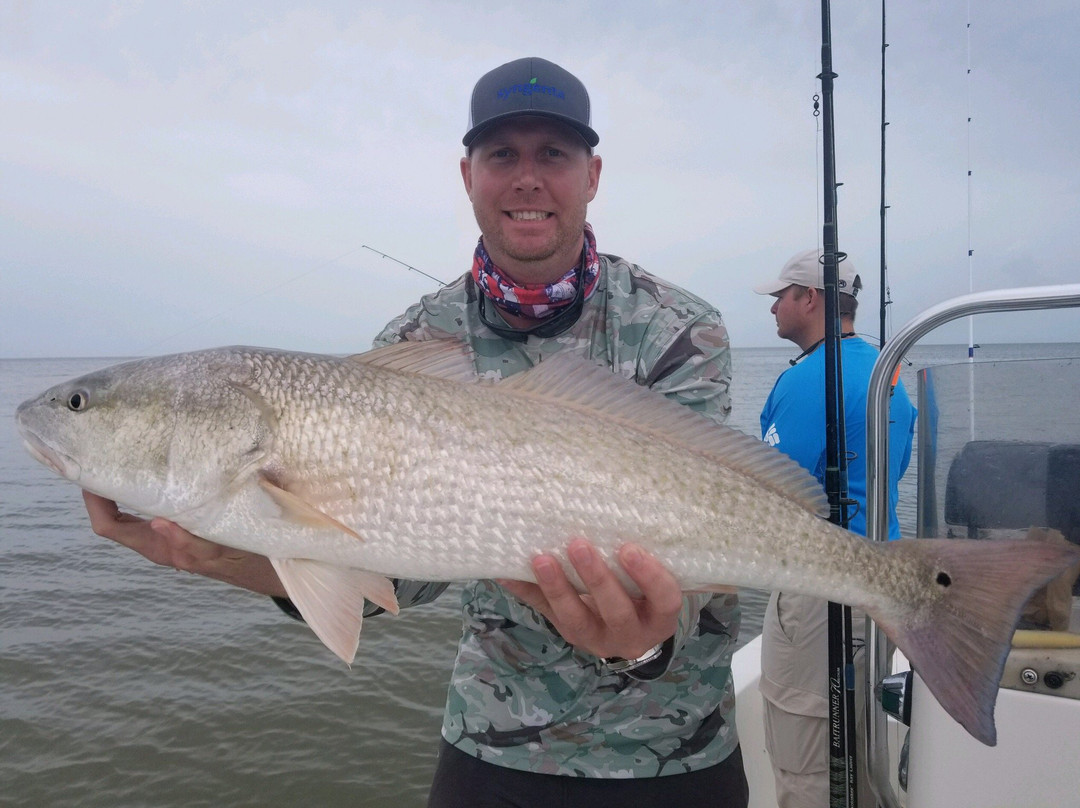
{"type": "Point", "coordinates": [995, 485]}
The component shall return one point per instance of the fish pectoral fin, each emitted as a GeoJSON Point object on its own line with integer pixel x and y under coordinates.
{"type": "Point", "coordinates": [296, 509]}
{"type": "Point", "coordinates": [331, 599]}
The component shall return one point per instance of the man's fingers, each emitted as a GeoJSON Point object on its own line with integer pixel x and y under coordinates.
{"type": "Point", "coordinates": [166, 543]}
{"type": "Point", "coordinates": [108, 521]}
{"type": "Point", "coordinates": [185, 545]}
{"type": "Point", "coordinates": [661, 591]}
{"type": "Point", "coordinates": [159, 540]}
{"type": "Point", "coordinates": [529, 594]}
{"type": "Point", "coordinates": [615, 607]}
{"type": "Point", "coordinates": [605, 620]}
{"type": "Point", "coordinates": [566, 609]}
{"type": "Point", "coordinates": [104, 513]}
{"type": "Point", "coordinates": [100, 509]}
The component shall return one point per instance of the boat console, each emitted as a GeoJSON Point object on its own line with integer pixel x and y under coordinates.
{"type": "Point", "coordinates": [998, 457]}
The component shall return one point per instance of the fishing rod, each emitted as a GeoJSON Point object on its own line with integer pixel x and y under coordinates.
{"type": "Point", "coordinates": [292, 279]}
{"type": "Point", "coordinates": [885, 302]}
{"type": "Point", "coordinates": [842, 771]}
{"type": "Point", "coordinates": [247, 300]}
{"type": "Point", "coordinates": [407, 266]}
{"type": "Point", "coordinates": [970, 250]}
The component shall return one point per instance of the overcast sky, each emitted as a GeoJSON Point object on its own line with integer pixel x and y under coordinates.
{"type": "Point", "coordinates": [179, 175]}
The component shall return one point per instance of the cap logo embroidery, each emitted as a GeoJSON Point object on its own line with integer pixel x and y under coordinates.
{"type": "Point", "coordinates": [532, 87]}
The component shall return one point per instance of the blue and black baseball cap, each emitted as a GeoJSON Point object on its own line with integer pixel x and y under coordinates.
{"type": "Point", "coordinates": [530, 86]}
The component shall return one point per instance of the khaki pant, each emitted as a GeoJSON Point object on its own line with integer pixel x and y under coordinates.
{"type": "Point", "coordinates": [794, 685]}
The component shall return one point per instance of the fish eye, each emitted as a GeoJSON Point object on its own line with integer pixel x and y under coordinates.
{"type": "Point", "coordinates": [78, 401]}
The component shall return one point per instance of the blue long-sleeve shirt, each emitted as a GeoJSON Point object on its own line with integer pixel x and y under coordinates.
{"type": "Point", "coordinates": [793, 420]}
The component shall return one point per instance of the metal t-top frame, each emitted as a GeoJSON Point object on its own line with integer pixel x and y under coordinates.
{"type": "Point", "coordinates": [877, 471]}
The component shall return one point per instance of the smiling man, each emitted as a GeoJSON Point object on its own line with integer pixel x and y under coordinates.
{"type": "Point", "coordinates": [602, 699]}
{"type": "Point", "coordinates": [556, 698]}
{"type": "Point", "coordinates": [530, 180]}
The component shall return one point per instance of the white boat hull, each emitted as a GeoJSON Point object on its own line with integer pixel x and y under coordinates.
{"type": "Point", "coordinates": [1034, 765]}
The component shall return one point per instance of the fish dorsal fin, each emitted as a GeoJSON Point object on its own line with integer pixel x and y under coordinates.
{"type": "Point", "coordinates": [443, 358]}
{"type": "Point", "coordinates": [331, 599]}
{"type": "Point", "coordinates": [571, 381]}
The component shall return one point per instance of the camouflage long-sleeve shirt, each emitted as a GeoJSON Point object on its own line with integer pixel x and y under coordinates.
{"type": "Point", "coordinates": [520, 695]}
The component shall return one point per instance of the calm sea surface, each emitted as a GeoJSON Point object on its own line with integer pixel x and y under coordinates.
{"type": "Point", "coordinates": [125, 684]}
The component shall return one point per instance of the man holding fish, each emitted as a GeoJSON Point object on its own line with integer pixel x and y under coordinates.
{"type": "Point", "coordinates": [622, 694]}
{"type": "Point", "coordinates": [606, 674]}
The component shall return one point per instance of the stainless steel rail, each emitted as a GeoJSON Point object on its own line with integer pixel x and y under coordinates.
{"type": "Point", "coordinates": [877, 472]}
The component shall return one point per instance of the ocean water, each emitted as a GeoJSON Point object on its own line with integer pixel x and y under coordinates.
{"type": "Point", "coordinates": [127, 684]}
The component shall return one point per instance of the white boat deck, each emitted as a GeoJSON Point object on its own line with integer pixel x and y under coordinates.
{"type": "Point", "coordinates": [1034, 765]}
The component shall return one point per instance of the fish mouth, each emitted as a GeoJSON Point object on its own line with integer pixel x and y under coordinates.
{"type": "Point", "coordinates": [48, 456]}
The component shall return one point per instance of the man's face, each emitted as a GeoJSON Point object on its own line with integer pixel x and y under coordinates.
{"type": "Point", "coordinates": [530, 180]}
{"type": "Point", "coordinates": [790, 310]}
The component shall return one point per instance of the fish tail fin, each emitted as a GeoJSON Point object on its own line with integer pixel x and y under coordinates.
{"type": "Point", "coordinates": [959, 641]}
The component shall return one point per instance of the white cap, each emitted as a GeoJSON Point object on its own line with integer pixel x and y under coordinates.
{"type": "Point", "coordinates": [807, 269]}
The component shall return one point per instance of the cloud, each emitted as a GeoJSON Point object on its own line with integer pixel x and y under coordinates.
{"type": "Point", "coordinates": [209, 165]}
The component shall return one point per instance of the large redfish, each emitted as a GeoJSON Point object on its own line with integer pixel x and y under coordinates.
{"type": "Point", "coordinates": [399, 463]}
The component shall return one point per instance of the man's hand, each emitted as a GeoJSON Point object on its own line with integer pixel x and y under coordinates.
{"type": "Point", "coordinates": [606, 621]}
{"type": "Point", "coordinates": [168, 544]}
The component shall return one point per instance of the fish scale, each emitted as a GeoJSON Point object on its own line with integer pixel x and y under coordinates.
{"type": "Point", "coordinates": [399, 463]}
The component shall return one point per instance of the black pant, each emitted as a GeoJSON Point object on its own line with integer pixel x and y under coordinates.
{"type": "Point", "coordinates": [462, 781]}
